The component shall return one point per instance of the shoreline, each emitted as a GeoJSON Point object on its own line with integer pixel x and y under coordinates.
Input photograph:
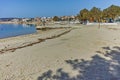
{"type": "Point", "coordinates": [41, 30]}
{"type": "Point", "coordinates": [79, 51]}
{"type": "Point", "coordinates": [8, 22]}
{"type": "Point", "coordinates": [38, 40]}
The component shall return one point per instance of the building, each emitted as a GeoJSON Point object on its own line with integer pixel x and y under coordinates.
{"type": "Point", "coordinates": [117, 19]}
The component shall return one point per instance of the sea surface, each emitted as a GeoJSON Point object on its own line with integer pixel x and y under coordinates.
{"type": "Point", "coordinates": [11, 30]}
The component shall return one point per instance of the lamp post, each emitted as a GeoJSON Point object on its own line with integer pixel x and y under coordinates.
{"type": "Point", "coordinates": [68, 22]}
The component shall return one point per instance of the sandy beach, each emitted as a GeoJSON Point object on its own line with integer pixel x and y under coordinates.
{"type": "Point", "coordinates": [82, 53]}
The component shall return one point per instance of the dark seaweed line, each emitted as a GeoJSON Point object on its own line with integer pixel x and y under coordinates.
{"type": "Point", "coordinates": [49, 28]}
{"type": "Point", "coordinates": [31, 44]}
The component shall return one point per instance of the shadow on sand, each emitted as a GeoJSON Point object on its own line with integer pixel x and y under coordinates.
{"type": "Point", "coordinates": [96, 69]}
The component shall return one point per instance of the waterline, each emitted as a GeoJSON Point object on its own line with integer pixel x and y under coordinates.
{"type": "Point", "coordinates": [11, 30]}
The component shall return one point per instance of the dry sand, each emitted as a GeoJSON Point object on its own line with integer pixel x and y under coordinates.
{"type": "Point", "coordinates": [77, 55]}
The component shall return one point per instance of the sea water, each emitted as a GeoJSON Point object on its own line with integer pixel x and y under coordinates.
{"type": "Point", "coordinates": [11, 30]}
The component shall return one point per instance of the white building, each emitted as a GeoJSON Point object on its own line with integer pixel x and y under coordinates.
{"type": "Point", "coordinates": [15, 20]}
{"type": "Point", "coordinates": [117, 19]}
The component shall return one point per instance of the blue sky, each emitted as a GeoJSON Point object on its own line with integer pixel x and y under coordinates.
{"type": "Point", "coordinates": [39, 8]}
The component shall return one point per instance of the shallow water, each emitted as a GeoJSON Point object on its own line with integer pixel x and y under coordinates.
{"type": "Point", "coordinates": [11, 30]}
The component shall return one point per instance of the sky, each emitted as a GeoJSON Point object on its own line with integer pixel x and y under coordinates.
{"type": "Point", "coordinates": [49, 8]}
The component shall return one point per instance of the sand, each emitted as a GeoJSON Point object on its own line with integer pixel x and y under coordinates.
{"type": "Point", "coordinates": [71, 56]}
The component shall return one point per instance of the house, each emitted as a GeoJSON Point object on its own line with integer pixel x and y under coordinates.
{"type": "Point", "coordinates": [117, 19]}
{"type": "Point", "coordinates": [26, 19]}
{"type": "Point", "coordinates": [15, 20]}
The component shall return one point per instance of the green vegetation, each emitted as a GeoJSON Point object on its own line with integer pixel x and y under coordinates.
{"type": "Point", "coordinates": [97, 15]}
{"type": "Point", "coordinates": [111, 12]}
{"type": "Point", "coordinates": [56, 18]}
{"type": "Point", "coordinates": [84, 15]}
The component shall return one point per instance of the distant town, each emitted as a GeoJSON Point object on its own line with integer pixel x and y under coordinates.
{"type": "Point", "coordinates": [39, 20]}
{"type": "Point", "coordinates": [95, 15]}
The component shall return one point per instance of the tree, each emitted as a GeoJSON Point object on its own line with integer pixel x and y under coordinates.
{"type": "Point", "coordinates": [83, 15]}
{"type": "Point", "coordinates": [96, 14]}
{"type": "Point", "coordinates": [111, 12]}
{"type": "Point", "coordinates": [55, 18]}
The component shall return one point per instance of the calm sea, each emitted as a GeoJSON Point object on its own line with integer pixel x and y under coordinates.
{"type": "Point", "coordinates": [11, 30]}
